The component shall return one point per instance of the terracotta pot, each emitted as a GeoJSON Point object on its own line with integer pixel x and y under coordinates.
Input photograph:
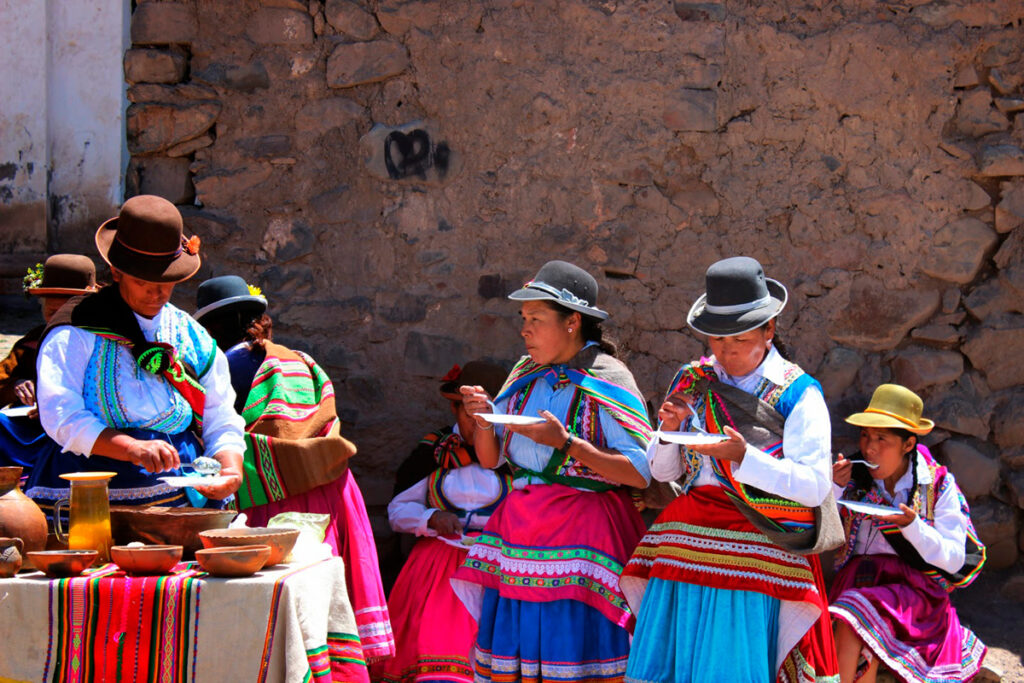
{"type": "Point", "coordinates": [10, 556]}
{"type": "Point", "coordinates": [20, 517]}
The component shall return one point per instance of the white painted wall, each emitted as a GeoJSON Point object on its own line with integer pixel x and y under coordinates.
{"type": "Point", "coordinates": [62, 103]}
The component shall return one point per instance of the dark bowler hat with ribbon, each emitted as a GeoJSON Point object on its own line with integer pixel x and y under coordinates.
{"type": "Point", "coordinates": [739, 298]}
{"type": "Point", "coordinates": [564, 284]}
{"type": "Point", "coordinates": [227, 292]}
{"type": "Point", "coordinates": [146, 240]}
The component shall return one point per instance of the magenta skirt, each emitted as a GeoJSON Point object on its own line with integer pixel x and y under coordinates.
{"type": "Point", "coordinates": [905, 619]}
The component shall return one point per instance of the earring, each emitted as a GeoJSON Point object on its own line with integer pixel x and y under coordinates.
{"type": "Point", "coordinates": [570, 330]}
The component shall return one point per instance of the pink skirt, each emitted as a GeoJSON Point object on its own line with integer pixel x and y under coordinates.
{"type": "Point", "coordinates": [351, 537]}
{"type": "Point", "coordinates": [906, 620]}
{"type": "Point", "coordinates": [433, 631]}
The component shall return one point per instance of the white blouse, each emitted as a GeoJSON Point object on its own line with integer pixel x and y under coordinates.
{"type": "Point", "coordinates": [61, 366]}
{"type": "Point", "coordinates": [803, 475]}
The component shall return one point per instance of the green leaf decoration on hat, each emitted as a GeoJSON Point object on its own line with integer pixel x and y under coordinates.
{"type": "Point", "coordinates": [33, 279]}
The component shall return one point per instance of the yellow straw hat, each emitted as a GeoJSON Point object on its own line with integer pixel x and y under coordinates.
{"type": "Point", "coordinates": [893, 407]}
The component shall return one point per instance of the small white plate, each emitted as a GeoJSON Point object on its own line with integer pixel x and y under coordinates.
{"type": "Point", "coordinates": [870, 508]}
{"type": "Point", "coordinates": [499, 419]}
{"type": "Point", "coordinates": [196, 481]}
{"type": "Point", "coordinates": [17, 411]}
{"type": "Point", "coordinates": [462, 542]}
{"type": "Point", "coordinates": [691, 438]}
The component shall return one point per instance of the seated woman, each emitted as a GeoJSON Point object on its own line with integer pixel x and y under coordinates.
{"type": "Point", "coordinates": [890, 596]}
{"type": "Point", "coordinates": [21, 438]}
{"type": "Point", "coordinates": [442, 491]}
{"type": "Point", "coordinates": [130, 384]}
{"type": "Point", "coordinates": [296, 459]}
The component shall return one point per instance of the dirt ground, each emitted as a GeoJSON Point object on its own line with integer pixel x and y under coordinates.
{"type": "Point", "coordinates": [998, 620]}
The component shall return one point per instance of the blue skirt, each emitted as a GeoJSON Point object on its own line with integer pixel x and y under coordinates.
{"type": "Point", "coordinates": [688, 634]}
{"type": "Point", "coordinates": [561, 640]}
{"type": "Point", "coordinates": [132, 485]}
{"type": "Point", "coordinates": [23, 443]}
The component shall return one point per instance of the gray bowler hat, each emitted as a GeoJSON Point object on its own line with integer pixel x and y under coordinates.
{"type": "Point", "coordinates": [739, 298]}
{"type": "Point", "coordinates": [564, 284]}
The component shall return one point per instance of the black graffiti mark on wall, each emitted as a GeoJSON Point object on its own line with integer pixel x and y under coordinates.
{"type": "Point", "coordinates": [414, 154]}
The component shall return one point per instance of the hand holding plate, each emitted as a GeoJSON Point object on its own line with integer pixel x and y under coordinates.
{"type": "Point", "coordinates": [732, 450]}
{"type": "Point", "coordinates": [551, 432]}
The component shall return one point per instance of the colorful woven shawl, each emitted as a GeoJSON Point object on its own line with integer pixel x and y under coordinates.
{"type": "Point", "coordinates": [293, 439]}
{"type": "Point", "coordinates": [602, 383]}
{"type": "Point", "coordinates": [923, 503]}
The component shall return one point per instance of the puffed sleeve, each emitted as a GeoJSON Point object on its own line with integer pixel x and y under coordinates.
{"type": "Point", "coordinates": [59, 390]}
{"type": "Point", "coordinates": [223, 428]}
{"type": "Point", "coordinates": [942, 544]}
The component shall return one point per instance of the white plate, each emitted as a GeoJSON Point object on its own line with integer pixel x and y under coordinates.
{"type": "Point", "coordinates": [870, 508]}
{"type": "Point", "coordinates": [196, 481]}
{"type": "Point", "coordinates": [17, 411]}
{"type": "Point", "coordinates": [691, 438]}
{"type": "Point", "coordinates": [461, 542]}
{"type": "Point", "coordinates": [499, 419]}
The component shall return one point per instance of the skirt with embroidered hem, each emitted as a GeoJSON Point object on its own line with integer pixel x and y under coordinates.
{"type": "Point", "coordinates": [535, 642]}
{"type": "Point", "coordinates": [434, 633]}
{"type": "Point", "coordinates": [351, 537]}
{"type": "Point", "coordinates": [906, 620]}
{"type": "Point", "coordinates": [702, 539]}
{"type": "Point", "coordinates": [551, 542]}
{"type": "Point", "coordinates": [681, 629]}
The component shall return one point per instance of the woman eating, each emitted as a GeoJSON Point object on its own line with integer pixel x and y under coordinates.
{"type": "Point", "coordinates": [543, 577]}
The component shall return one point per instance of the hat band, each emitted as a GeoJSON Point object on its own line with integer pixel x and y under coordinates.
{"type": "Point", "coordinates": [909, 423]}
{"type": "Point", "coordinates": [562, 295]}
{"type": "Point", "coordinates": [738, 308]}
{"type": "Point", "coordinates": [176, 252]}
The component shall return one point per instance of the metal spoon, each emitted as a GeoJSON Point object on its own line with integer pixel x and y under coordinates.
{"type": "Point", "coordinates": [203, 465]}
{"type": "Point", "coordinates": [494, 408]}
{"type": "Point", "coordinates": [695, 423]}
{"type": "Point", "coordinates": [870, 465]}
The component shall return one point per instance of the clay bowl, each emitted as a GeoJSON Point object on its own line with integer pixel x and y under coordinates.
{"type": "Point", "coordinates": [280, 539]}
{"type": "Point", "coordinates": [146, 560]}
{"type": "Point", "coordinates": [59, 564]}
{"type": "Point", "coordinates": [242, 560]}
{"type": "Point", "coordinates": [166, 526]}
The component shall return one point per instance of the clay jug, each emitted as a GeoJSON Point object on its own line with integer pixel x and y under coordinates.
{"type": "Point", "coordinates": [20, 517]}
{"type": "Point", "coordinates": [10, 556]}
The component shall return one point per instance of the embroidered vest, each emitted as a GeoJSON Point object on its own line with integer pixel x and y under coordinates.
{"type": "Point", "coordinates": [437, 499]}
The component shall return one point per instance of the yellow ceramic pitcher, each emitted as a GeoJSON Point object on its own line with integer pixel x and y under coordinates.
{"type": "Point", "coordinates": [89, 515]}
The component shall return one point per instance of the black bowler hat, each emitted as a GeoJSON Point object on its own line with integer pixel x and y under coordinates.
{"type": "Point", "coordinates": [566, 285]}
{"type": "Point", "coordinates": [227, 291]}
{"type": "Point", "coordinates": [739, 298]}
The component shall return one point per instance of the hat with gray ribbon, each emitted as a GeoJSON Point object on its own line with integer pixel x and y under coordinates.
{"type": "Point", "coordinates": [564, 284]}
{"type": "Point", "coordinates": [739, 298]}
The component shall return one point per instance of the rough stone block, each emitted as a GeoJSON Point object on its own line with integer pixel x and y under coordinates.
{"type": "Point", "coordinates": [976, 472]}
{"type": "Point", "coordinates": [285, 239]}
{"type": "Point", "coordinates": [919, 369]}
{"type": "Point", "coordinates": [218, 188]}
{"type": "Point", "coordinates": [163, 23]}
{"type": "Point", "coordinates": [1008, 422]}
{"type": "Point", "coordinates": [959, 249]}
{"type": "Point", "coordinates": [154, 66]}
{"type": "Point", "coordinates": [428, 355]}
{"type": "Point", "coordinates": [351, 19]}
{"type": "Point", "coordinates": [1015, 488]}
{"type": "Point", "coordinates": [186, 148]}
{"type": "Point", "coordinates": [995, 349]}
{"type": "Point", "coordinates": [398, 16]}
{"type": "Point", "coordinates": [411, 151]}
{"type": "Point", "coordinates": [1010, 105]}
{"type": "Point", "coordinates": [352, 64]}
{"type": "Point", "coordinates": [244, 77]}
{"type": "Point", "coordinates": [944, 335]}
{"type": "Point", "coordinates": [165, 177]}
{"type": "Point", "coordinates": [997, 525]}
{"type": "Point", "coordinates": [322, 115]}
{"type": "Point", "coordinates": [691, 110]}
{"type": "Point", "coordinates": [838, 370]}
{"type": "Point", "coordinates": [1010, 210]}
{"type": "Point", "coordinates": [994, 297]}
{"type": "Point", "coordinates": [699, 11]}
{"type": "Point", "coordinates": [1001, 160]}
{"type": "Point", "coordinates": [877, 318]}
{"type": "Point", "coordinates": [976, 116]}
{"type": "Point", "coordinates": [961, 412]}
{"type": "Point", "coordinates": [265, 146]}
{"type": "Point", "coordinates": [280, 26]}
{"type": "Point", "coordinates": [156, 127]}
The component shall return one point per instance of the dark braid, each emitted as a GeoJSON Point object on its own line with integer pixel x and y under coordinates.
{"type": "Point", "coordinates": [590, 328]}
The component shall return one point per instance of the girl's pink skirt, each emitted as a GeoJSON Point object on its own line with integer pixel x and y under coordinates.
{"type": "Point", "coordinates": [433, 631]}
{"type": "Point", "coordinates": [905, 619]}
{"type": "Point", "coordinates": [351, 537]}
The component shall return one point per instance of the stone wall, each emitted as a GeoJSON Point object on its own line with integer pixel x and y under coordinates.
{"type": "Point", "coordinates": [388, 170]}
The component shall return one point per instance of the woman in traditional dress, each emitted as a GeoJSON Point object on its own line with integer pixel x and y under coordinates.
{"type": "Point", "coordinates": [544, 574]}
{"type": "Point", "coordinates": [131, 384]}
{"type": "Point", "coordinates": [718, 597]}
{"type": "Point", "coordinates": [890, 597]}
{"type": "Point", "coordinates": [296, 459]}
{"type": "Point", "coordinates": [445, 497]}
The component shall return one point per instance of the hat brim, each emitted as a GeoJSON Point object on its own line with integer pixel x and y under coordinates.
{"type": "Point", "coordinates": [718, 325]}
{"type": "Point", "coordinates": [528, 294]}
{"type": "Point", "coordinates": [879, 421]}
{"type": "Point", "coordinates": [149, 268]}
{"type": "Point", "coordinates": [59, 291]}
{"type": "Point", "coordinates": [256, 303]}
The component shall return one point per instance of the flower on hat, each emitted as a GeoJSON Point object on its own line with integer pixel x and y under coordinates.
{"type": "Point", "coordinates": [453, 374]}
{"type": "Point", "coordinates": [190, 245]}
{"type": "Point", "coordinates": [33, 279]}
{"type": "Point", "coordinates": [254, 290]}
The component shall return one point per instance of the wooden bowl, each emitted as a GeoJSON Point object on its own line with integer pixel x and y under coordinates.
{"type": "Point", "coordinates": [280, 539]}
{"type": "Point", "coordinates": [59, 564]}
{"type": "Point", "coordinates": [146, 559]}
{"type": "Point", "coordinates": [242, 560]}
{"type": "Point", "coordinates": [165, 525]}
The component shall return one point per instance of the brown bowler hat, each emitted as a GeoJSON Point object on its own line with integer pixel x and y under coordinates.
{"type": "Point", "coordinates": [475, 373]}
{"type": "Point", "coordinates": [66, 275]}
{"type": "Point", "coordinates": [146, 240]}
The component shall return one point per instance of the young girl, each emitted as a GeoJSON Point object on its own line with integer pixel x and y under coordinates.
{"type": "Point", "coordinates": [890, 597]}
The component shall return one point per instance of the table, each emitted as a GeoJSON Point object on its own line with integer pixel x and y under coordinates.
{"type": "Point", "coordinates": [292, 622]}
